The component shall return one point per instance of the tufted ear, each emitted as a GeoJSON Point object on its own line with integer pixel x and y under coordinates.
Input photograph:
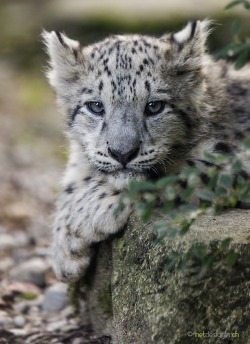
{"type": "Point", "coordinates": [189, 45]}
{"type": "Point", "coordinates": [65, 55]}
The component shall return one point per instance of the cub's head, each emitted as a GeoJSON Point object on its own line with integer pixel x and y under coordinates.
{"type": "Point", "coordinates": [133, 102]}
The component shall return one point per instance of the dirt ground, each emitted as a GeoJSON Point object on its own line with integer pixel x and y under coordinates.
{"type": "Point", "coordinates": [34, 306]}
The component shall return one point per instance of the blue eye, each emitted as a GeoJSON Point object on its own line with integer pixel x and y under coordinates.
{"type": "Point", "coordinates": [96, 108]}
{"type": "Point", "coordinates": [153, 108]}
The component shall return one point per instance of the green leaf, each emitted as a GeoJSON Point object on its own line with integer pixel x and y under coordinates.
{"type": "Point", "coordinates": [171, 194]}
{"type": "Point", "coordinates": [169, 205]}
{"type": "Point", "coordinates": [198, 251]}
{"type": "Point", "coordinates": [220, 191]}
{"type": "Point", "coordinates": [242, 59]}
{"type": "Point", "coordinates": [173, 233]}
{"type": "Point", "coordinates": [223, 52]}
{"type": "Point", "coordinates": [187, 193]}
{"type": "Point", "coordinates": [190, 171]}
{"type": "Point", "coordinates": [188, 207]}
{"type": "Point", "coordinates": [185, 228]}
{"type": "Point", "coordinates": [226, 180]}
{"type": "Point", "coordinates": [237, 166]}
{"type": "Point", "coordinates": [231, 258]}
{"type": "Point", "coordinates": [144, 210]}
{"type": "Point", "coordinates": [225, 243]}
{"type": "Point", "coordinates": [246, 143]}
{"type": "Point", "coordinates": [166, 181]}
{"type": "Point", "coordinates": [233, 4]}
{"type": "Point", "coordinates": [245, 198]}
{"type": "Point", "coordinates": [247, 5]}
{"type": "Point", "coordinates": [236, 26]}
{"type": "Point", "coordinates": [206, 195]}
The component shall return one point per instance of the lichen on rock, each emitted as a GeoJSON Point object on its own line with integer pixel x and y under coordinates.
{"type": "Point", "coordinates": [151, 304]}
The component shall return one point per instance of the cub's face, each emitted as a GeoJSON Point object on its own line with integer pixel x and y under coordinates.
{"type": "Point", "coordinates": [132, 102]}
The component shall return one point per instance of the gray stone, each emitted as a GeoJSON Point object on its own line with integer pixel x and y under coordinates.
{"type": "Point", "coordinates": [5, 320]}
{"type": "Point", "coordinates": [56, 326]}
{"type": "Point", "coordinates": [7, 241]}
{"type": "Point", "coordinates": [134, 296]}
{"type": "Point", "coordinates": [55, 298]}
{"type": "Point", "coordinates": [19, 321]}
{"type": "Point", "coordinates": [32, 271]}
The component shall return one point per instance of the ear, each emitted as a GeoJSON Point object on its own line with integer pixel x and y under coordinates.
{"type": "Point", "coordinates": [65, 55]}
{"type": "Point", "coordinates": [189, 44]}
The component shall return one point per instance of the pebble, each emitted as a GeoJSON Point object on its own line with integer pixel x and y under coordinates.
{"type": "Point", "coordinates": [5, 320]}
{"type": "Point", "coordinates": [7, 242]}
{"type": "Point", "coordinates": [55, 298]}
{"type": "Point", "coordinates": [32, 271]}
{"type": "Point", "coordinates": [19, 321]}
{"type": "Point", "coordinates": [6, 263]}
{"type": "Point", "coordinates": [55, 326]}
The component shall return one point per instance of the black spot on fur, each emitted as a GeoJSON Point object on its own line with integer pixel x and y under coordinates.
{"type": "Point", "coordinates": [239, 135]}
{"type": "Point", "coordinates": [223, 147]}
{"type": "Point", "coordinates": [103, 126]}
{"type": "Point", "coordinates": [147, 85]}
{"type": "Point", "coordinates": [187, 121]}
{"type": "Point", "coordinates": [238, 90]}
{"type": "Point", "coordinates": [87, 90]}
{"type": "Point", "coordinates": [69, 189]}
{"type": "Point", "coordinates": [87, 179]}
{"type": "Point", "coordinates": [190, 163]}
{"type": "Point", "coordinates": [76, 253]}
{"type": "Point", "coordinates": [101, 86]}
{"type": "Point", "coordinates": [104, 194]}
{"type": "Point", "coordinates": [73, 115]}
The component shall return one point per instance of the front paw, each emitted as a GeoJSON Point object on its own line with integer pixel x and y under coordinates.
{"type": "Point", "coordinates": [68, 268]}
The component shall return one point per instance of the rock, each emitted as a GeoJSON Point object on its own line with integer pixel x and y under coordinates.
{"type": "Point", "coordinates": [21, 307]}
{"type": "Point", "coordinates": [8, 242]}
{"type": "Point", "coordinates": [19, 321]}
{"type": "Point", "coordinates": [32, 271]}
{"type": "Point", "coordinates": [134, 296]}
{"type": "Point", "coordinates": [6, 263]}
{"type": "Point", "coordinates": [55, 326]}
{"type": "Point", "coordinates": [5, 320]}
{"type": "Point", "coordinates": [55, 298]}
{"type": "Point", "coordinates": [18, 331]}
{"type": "Point", "coordinates": [28, 289]}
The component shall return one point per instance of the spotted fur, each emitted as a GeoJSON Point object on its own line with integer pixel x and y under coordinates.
{"type": "Point", "coordinates": [205, 106]}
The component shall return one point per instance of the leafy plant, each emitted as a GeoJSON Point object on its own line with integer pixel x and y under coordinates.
{"type": "Point", "coordinates": [239, 48]}
{"type": "Point", "coordinates": [194, 192]}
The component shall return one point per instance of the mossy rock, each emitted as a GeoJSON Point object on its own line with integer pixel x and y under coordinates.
{"type": "Point", "coordinates": [137, 300]}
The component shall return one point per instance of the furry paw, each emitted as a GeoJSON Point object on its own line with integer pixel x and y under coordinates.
{"type": "Point", "coordinates": [69, 268]}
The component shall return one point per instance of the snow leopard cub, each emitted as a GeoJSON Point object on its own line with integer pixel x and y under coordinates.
{"type": "Point", "coordinates": [136, 107]}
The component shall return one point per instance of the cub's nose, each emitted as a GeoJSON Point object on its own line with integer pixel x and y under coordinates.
{"type": "Point", "coordinates": [124, 158]}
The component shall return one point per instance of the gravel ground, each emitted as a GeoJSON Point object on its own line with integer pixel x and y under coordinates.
{"type": "Point", "coordinates": [34, 306]}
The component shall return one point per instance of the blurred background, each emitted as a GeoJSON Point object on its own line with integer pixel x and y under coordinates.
{"type": "Point", "coordinates": [32, 146]}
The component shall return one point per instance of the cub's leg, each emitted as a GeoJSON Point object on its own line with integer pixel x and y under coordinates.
{"type": "Point", "coordinates": [85, 215]}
